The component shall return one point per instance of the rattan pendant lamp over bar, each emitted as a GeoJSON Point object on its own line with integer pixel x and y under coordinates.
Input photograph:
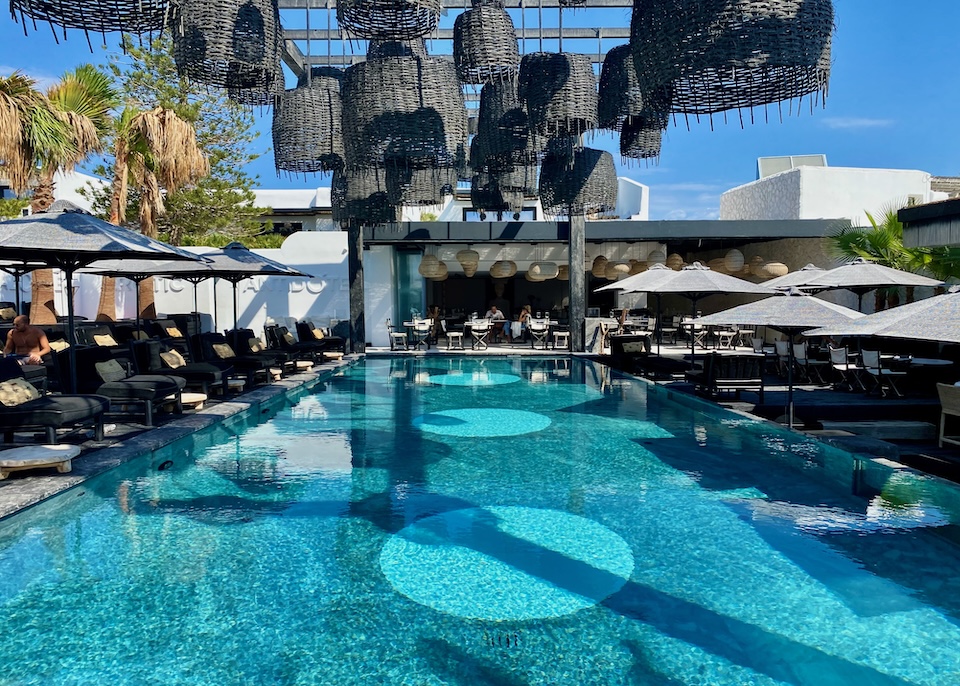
{"type": "Point", "coordinates": [230, 44]}
{"type": "Point", "coordinates": [559, 90]}
{"type": "Point", "coordinates": [732, 54]}
{"type": "Point", "coordinates": [389, 18]}
{"type": "Point", "coordinates": [485, 43]}
{"type": "Point", "coordinates": [307, 124]}
{"type": "Point", "coordinates": [587, 182]}
{"type": "Point", "coordinates": [129, 16]}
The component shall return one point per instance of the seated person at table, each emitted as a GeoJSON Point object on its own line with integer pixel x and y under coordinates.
{"type": "Point", "coordinates": [26, 342]}
{"type": "Point", "coordinates": [520, 326]}
{"type": "Point", "coordinates": [498, 320]}
{"type": "Point", "coordinates": [436, 328]}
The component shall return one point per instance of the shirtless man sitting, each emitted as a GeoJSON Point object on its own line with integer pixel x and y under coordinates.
{"type": "Point", "coordinates": [27, 342]}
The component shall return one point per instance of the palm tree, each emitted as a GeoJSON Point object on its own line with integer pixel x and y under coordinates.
{"type": "Point", "coordinates": [83, 99]}
{"type": "Point", "coordinates": [881, 242]}
{"type": "Point", "coordinates": [31, 133]}
{"type": "Point", "coordinates": [157, 151]}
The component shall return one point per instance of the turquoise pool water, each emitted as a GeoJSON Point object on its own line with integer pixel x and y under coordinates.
{"type": "Point", "coordinates": [479, 522]}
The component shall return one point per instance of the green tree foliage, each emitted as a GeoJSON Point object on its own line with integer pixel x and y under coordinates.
{"type": "Point", "coordinates": [12, 207]}
{"type": "Point", "coordinates": [882, 242]}
{"type": "Point", "coordinates": [222, 202]}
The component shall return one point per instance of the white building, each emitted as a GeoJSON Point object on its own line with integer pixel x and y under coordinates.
{"type": "Point", "coordinates": [823, 192]}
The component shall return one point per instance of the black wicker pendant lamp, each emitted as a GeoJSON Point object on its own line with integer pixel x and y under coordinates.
{"type": "Point", "coordinates": [389, 18]}
{"type": "Point", "coordinates": [559, 91]}
{"type": "Point", "coordinates": [719, 55]}
{"type": "Point", "coordinates": [584, 181]}
{"type": "Point", "coordinates": [129, 16]}
{"type": "Point", "coordinates": [307, 124]}
{"type": "Point", "coordinates": [485, 43]}
{"type": "Point", "coordinates": [231, 44]}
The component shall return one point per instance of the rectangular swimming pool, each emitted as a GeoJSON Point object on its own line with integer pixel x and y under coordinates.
{"type": "Point", "coordinates": [487, 521]}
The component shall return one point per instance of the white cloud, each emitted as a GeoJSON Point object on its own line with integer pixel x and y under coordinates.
{"type": "Point", "coordinates": [855, 123]}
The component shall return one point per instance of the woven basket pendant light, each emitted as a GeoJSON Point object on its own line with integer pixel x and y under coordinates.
{"type": "Point", "coordinates": [362, 195]}
{"type": "Point", "coordinates": [485, 44]}
{"type": "Point", "coordinates": [307, 128]}
{"type": "Point", "coordinates": [719, 55]}
{"type": "Point", "coordinates": [503, 135]}
{"type": "Point", "coordinates": [407, 111]}
{"type": "Point", "coordinates": [469, 260]}
{"type": "Point", "coordinates": [407, 186]}
{"type": "Point", "coordinates": [503, 269]}
{"type": "Point", "coordinates": [585, 183]}
{"type": "Point", "coordinates": [389, 18]}
{"type": "Point", "coordinates": [559, 91]}
{"type": "Point", "coordinates": [129, 16]}
{"type": "Point", "coordinates": [228, 43]}
{"type": "Point", "coordinates": [599, 267]}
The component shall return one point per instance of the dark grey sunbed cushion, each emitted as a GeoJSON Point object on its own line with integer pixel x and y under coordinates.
{"type": "Point", "coordinates": [54, 410]}
{"type": "Point", "coordinates": [143, 387]}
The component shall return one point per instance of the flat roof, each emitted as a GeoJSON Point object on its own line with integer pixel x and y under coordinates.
{"type": "Point", "coordinates": [614, 230]}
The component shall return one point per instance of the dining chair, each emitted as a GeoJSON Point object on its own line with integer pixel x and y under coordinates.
{"type": "Point", "coordinates": [883, 378]}
{"type": "Point", "coordinates": [398, 339]}
{"type": "Point", "coordinates": [422, 329]}
{"type": "Point", "coordinates": [480, 330]}
{"type": "Point", "coordinates": [454, 338]}
{"type": "Point", "coordinates": [810, 368]}
{"type": "Point", "coordinates": [539, 333]}
{"type": "Point", "coordinates": [848, 372]}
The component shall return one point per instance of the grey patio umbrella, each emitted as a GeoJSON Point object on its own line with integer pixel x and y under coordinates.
{"type": "Point", "coordinates": [799, 279]}
{"type": "Point", "coordinates": [640, 283]}
{"type": "Point", "coordinates": [17, 270]}
{"type": "Point", "coordinates": [235, 263]}
{"type": "Point", "coordinates": [862, 276]}
{"type": "Point", "coordinates": [140, 270]}
{"type": "Point", "coordinates": [694, 282]}
{"type": "Point", "coordinates": [931, 319]}
{"type": "Point", "coordinates": [790, 312]}
{"type": "Point", "coordinates": [67, 238]}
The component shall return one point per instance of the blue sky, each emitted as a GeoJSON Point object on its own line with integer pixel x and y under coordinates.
{"type": "Point", "coordinates": [893, 103]}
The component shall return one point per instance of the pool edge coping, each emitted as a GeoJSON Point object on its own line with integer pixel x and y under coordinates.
{"type": "Point", "coordinates": [22, 494]}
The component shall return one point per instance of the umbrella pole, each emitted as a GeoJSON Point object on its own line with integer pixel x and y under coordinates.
{"type": "Point", "coordinates": [16, 288]}
{"type": "Point", "coordinates": [693, 337]}
{"type": "Point", "coordinates": [71, 332]}
{"type": "Point", "coordinates": [790, 381]}
{"type": "Point", "coordinates": [136, 316]}
{"type": "Point", "coordinates": [196, 307]}
{"type": "Point", "coordinates": [216, 322]}
{"type": "Point", "coordinates": [236, 320]}
{"type": "Point", "coordinates": [659, 331]}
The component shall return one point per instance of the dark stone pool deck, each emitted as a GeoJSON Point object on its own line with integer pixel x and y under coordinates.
{"type": "Point", "coordinates": [128, 442]}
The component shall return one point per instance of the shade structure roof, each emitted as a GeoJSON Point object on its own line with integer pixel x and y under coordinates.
{"type": "Point", "coordinates": [138, 270]}
{"type": "Point", "coordinates": [791, 311]}
{"type": "Point", "coordinates": [931, 319]}
{"type": "Point", "coordinates": [236, 263]}
{"type": "Point", "coordinates": [694, 281]}
{"type": "Point", "coordinates": [799, 278]}
{"type": "Point", "coordinates": [864, 275]}
{"type": "Point", "coordinates": [69, 238]}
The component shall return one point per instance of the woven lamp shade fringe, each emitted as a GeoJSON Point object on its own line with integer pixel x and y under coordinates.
{"type": "Point", "coordinates": [487, 193]}
{"type": "Point", "coordinates": [307, 125]}
{"type": "Point", "coordinates": [443, 272]}
{"type": "Point", "coordinates": [560, 93]}
{"type": "Point", "coordinates": [361, 194]}
{"type": "Point", "coordinates": [420, 186]}
{"type": "Point", "coordinates": [407, 111]}
{"type": "Point", "coordinates": [129, 16]}
{"type": "Point", "coordinates": [732, 54]}
{"type": "Point", "coordinates": [379, 48]}
{"type": "Point", "coordinates": [229, 44]}
{"type": "Point", "coordinates": [503, 132]}
{"type": "Point", "coordinates": [389, 18]}
{"type": "Point", "coordinates": [429, 266]}
{"type": "Point", "coordinates": [587, 184]}
{"type": "Point", "coordinates": [563, 272]}
{"type": "Point", "coordinates": [485, 45]}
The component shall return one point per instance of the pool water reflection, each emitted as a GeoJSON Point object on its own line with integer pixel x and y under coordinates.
{"type": "Point", "coordinates": [549, 522]}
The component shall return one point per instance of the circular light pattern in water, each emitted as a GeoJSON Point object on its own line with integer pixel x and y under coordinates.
{"type": "Point", "coordinates": [506, 563]}
{"type": "Point", "coordinates": [476, 422]}
{"type": "Point", "coordinates": [478, 378]}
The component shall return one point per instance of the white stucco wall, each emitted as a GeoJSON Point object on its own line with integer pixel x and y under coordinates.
{"type": "Point", "coordinates": [826, 193]}
{"type": "Point", "coordinates": [633, 200]}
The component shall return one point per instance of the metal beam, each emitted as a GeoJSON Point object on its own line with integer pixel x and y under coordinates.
{"type": "Point", "coordinates": [612, 33]}
{"type": "Point", "coordinates": [461, 5]}
{"type": "Point", "coordinates": [347, 60]}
